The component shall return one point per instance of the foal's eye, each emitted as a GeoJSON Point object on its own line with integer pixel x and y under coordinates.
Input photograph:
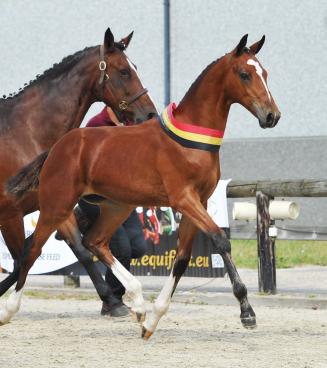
{"type": "Point", "coordinates": [124, 73]}
{"type": "Point", "coordinates": [244, 76]}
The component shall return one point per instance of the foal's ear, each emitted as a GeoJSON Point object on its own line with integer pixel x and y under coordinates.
{"type": "Point", "coordinates": [256, 47]}
{"type": "Point", "coordinates": [126, 40]}
{"type": "Point", "coordinates": [108, 39]}
{"type": "Point", "coordinates": [240, 47]}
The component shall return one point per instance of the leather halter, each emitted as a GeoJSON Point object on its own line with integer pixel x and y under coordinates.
{"type": "Point", "coordinates": [104, 76]}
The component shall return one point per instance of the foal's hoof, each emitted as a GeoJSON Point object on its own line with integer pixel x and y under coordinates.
{"type": "Point", "coordinates": [249, 322]}
{"type": "Point", "coordinates": [146, 334]}
{"type": "Point", "coordinates": [138, 317]}
{"type": "Point", "coordinates": [4, 317]}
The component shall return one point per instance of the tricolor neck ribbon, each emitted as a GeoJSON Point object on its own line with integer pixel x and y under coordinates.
{"type": "Point", "coordinates": [189, 135]}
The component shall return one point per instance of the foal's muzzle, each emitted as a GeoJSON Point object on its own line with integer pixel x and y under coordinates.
{"type": "Point", "coordinates": [270, 120]}
{"type": "Point", "coordinates": [268, 116]}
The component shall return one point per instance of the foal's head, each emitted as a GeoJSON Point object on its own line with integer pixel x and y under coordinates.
{"type": "Point", "coordinates": [246, 83]}
{"type": "Point", "coordinates": [119, 85]}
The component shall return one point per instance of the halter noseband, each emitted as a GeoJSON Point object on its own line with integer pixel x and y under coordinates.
{"type": "Point", "coordinates": [123, 104]}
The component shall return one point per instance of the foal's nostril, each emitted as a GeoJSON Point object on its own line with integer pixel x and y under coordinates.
{"type": "Point", "coordinates": [151, 115]}
{"type": "Point", "coordinates": [270, 118]}
{"type": "Point", "coordinates": [277, 118]}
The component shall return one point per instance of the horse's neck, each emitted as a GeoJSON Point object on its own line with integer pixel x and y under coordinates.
{"type": "Point", "coordinates": [205, 103]}
{"type": "Point", "coordinates": [70, 96]}
{"type": "Point", "coordinates": [51, 107]}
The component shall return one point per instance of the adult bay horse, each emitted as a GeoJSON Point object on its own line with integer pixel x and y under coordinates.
{"type": "Point", "coordinates": [171, 161]}
{"type": "Point", "coordinates": [37, 117]}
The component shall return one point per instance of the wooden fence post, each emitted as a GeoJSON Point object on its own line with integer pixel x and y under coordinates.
{"type": "Point", "coordinates": [266, 246]}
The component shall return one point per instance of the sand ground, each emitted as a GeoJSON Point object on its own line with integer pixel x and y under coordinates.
{"type": "Point", "coordinates": [71, 333]}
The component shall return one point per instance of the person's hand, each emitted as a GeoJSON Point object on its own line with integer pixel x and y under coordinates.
{"type": "Point", "coordinates": [113, 117]}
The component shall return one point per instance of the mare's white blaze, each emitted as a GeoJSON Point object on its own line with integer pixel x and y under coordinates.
{"type": "Point", "coordinates": [161, 304]}
{"type": "Point", "coordinates": [151, 99]}
{"type": "Point", "coordinates": [132, 285]}
{"type": "Point", "coordinates": [133, 68]}
{"type": "Point", "coordinates": [259, 71]}
{"type": "Point", "coordinates": [132, 65]}
{"type": "Point", "coordinates": [11, 307]}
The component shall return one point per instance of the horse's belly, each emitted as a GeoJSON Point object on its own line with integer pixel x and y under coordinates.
{"type": "Point", "coordinates": [132, 185]}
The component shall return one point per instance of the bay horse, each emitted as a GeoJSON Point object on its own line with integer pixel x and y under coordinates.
{"type": "Point", "coordinates": [168, 161]}
{"type": "Point", "coordinates": [38, 116]}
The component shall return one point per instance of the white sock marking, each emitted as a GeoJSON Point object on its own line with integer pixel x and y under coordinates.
{"type": "Point", "coordinates": [161, 304]}
{"type": "Point", "coordinates": [132, 285]}
{"type": "Point", "coordinates": [11, 307]}
{"type": "Point", "coordinates": [259, 71]}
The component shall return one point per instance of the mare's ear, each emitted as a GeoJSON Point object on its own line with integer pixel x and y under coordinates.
{"type": "Point", "coordinates": [108, 39]}
{"type": "Point", "coordinates": [240, 47]}
{"type": "Point", "coordinates": [256, 47]}
{"type": "Point", "coordinates": [126, 40]}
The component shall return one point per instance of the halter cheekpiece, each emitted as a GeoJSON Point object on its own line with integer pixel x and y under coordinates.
{"type": "Point", "coordinates": [104, 76]}
{"type": "Point", "coordinates": [189, 135]}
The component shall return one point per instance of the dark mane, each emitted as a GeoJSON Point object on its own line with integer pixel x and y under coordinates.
{"type": "Point", "coordinates": [57, 69]}
{"type": "Point", "coordinates": [198, 79]}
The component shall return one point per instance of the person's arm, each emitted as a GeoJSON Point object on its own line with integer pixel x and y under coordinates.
{"type": "Point", "coordinates": [105, 118]}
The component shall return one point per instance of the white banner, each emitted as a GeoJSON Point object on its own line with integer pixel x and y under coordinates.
{"type": "Point", "coordinates": [55, 254]}
{"type": "Point", "coordinates": [217, 204]}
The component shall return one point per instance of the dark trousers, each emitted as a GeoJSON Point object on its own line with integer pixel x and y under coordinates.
{"type": "Point", "coordinates": [126, 243]}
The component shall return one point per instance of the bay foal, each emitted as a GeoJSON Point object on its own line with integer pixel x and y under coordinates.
{"type": "Point", "coordinates": [171, 161]}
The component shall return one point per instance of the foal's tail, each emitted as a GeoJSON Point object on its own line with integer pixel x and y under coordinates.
{"type": "Point", "coordinates": [27, 178]}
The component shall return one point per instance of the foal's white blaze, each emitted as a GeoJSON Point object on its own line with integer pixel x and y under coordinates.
{"type": "Point", "coordinates": [259, 71]}
{"type": "Point", "coordinates": [132, 285]}
{"type": "Point", "coordinates": [161, 305]}
{"type": "Point", "coordinates": [11, 307]}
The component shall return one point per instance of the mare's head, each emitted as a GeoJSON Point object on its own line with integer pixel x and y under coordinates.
{"type": "Point", "coordinates": [119, 85]}
{"type": "Point", "coordinates": [246, 83]}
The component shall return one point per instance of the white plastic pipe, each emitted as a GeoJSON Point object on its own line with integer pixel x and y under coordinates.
{"type": "Point", "coordinates": [280, 210]}
{"type": "Point", "coordinates": [244, 211]}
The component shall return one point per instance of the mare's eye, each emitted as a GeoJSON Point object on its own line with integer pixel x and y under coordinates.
{"type": "Point", "coordinates": [245, 76]}
{"type": "Point", "coordinates": [124, 73]}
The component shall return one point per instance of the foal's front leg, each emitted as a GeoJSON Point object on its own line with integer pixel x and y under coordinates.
{"type": "Point", "coordinates": [200, 217]}
{"type": "Point", "coordinates": [187, 232]}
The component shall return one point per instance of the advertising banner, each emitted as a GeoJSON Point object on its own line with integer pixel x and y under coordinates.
{"type": "Point", "coordinates": [55, 254]}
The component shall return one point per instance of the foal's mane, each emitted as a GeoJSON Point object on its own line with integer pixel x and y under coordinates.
{"type": "Point", "coordinates": [57, 69]}
{"type": "Point", "coordinates": [201, 76]}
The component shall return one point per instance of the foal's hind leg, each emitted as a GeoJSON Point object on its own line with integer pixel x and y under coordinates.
{"type": "Point", "coordinates": [97, 239]}
{"type": "Point", "coordinates": [187, 232]}
{"type": "Point", "coordinates": [50, 219]}
{"type": "Point", "coordinates": [70, 232]}
{"type": "Point", "coordinates": [32, 250]}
